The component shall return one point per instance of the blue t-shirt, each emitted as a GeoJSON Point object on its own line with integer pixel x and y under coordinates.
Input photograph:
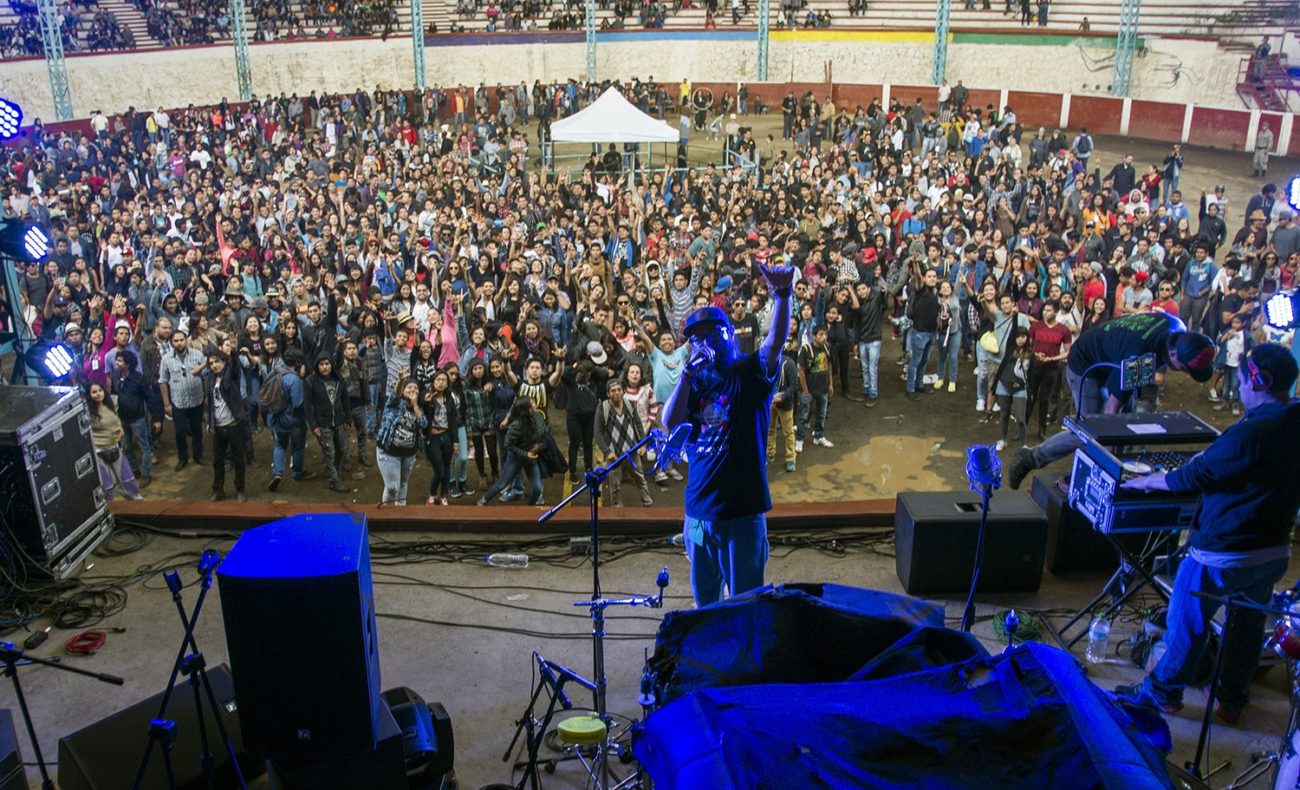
{"type": "Point", "coordinates": [727, 454]}
{"type": "Point", "coordinates": [667, 371]}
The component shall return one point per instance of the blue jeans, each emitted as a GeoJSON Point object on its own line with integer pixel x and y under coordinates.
{"type": "Point", "coordinates": [920, 343]}
{"type": "Point", "coordinates": [1189, 630]}
{"type": "Point", "coordinates": [396, 472]}
{"type": "Point", "coordinates": [512, 466]}
{"type": "Point", "coordinates": [869, 357]}
{"type": "Point", "coordinates": [372, 411]}
{"type": "Point", "coordinates": [137, 432]}
{"type": "Point", "coordinates": [729, 551]}
{"type": "Point", "coordinates": [292, 442]}
{"type": "Point", "coordinates": [949, 346]}
{"type": "Point", "coordinates": [1090, 397]}
{"type": "Point", "coordinates": [814, 406]}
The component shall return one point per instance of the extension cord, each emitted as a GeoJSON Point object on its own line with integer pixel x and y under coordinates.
{"type": "Point", "coordinates": [580, 546]}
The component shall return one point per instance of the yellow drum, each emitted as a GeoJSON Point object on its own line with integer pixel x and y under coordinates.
{"type": "Point", "coordinates": [584, 730]}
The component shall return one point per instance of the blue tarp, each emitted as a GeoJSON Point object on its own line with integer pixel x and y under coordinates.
{"type": "Point", "coordinates": [1029, 719]}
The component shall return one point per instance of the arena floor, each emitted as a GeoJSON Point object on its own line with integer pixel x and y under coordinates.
{"type": "Point", "coordinates": [458, 638]}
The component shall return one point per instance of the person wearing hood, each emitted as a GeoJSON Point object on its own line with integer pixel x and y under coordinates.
{"type": "Point", "coordinates": [326, 406]}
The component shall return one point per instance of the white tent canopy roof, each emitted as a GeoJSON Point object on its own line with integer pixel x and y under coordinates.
{"type": "Point", "coordinates": [612, 119]}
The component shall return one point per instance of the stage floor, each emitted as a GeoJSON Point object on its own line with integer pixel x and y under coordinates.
{"type": "Point", "coordinates": [475, 661]}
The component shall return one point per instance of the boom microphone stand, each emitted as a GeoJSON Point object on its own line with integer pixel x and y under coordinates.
{"type": "Point", "coordinates": [12, 655]}
{"type": "Point", "coordinates": [162, 731]}
{"type": "Point", "coordinates": [593, 479]}
{"type": "Point", "coordinates": [985, 473]}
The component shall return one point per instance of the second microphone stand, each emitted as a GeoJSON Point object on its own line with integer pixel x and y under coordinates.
{"type": "Point", "coordinates": [593, 479]}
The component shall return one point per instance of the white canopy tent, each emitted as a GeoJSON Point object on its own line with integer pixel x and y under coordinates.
{"type": "Point", "coordinates": [612, 119]}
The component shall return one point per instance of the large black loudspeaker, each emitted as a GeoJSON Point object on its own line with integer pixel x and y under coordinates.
{"type": "Point", "coordinates": [935, 535]}
{"type": "Point", "coordinates": [12, 774]}
{"type": "Point", "coordinates": [298, 605]}
{"type": "Point", "coordinates": [1072, 544]}
{"type": "Point", "coordinates": [106, 755]}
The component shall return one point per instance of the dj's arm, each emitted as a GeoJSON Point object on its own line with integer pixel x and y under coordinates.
{"type": "Point", "coordinates": [1155, 482]}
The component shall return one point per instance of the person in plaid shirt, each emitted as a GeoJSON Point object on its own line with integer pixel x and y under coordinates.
{"type": "Point", "coordinates": [618, 429]}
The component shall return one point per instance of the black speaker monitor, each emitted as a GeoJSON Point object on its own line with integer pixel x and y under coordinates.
{"type": "Point", "coordinates": [106, 754]}
{"type": "Point", "coordinates": [298, 605]}
{"type": "Point", "coordinates": [935, 534]}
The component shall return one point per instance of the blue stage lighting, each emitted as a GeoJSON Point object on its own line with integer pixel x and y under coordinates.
{"type": "Point", "coordinates": [1281, 309]}
{"type": "Point", "coordinates": [1293, 193]}
{"type": "Point", "coordinates": [26, 241]}
{"type": "Point", "coordinates": [53, 361]}
{"type": "Point", "coordinates": [11, 119]}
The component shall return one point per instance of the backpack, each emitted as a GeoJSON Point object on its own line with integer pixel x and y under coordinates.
{"type": "Point", "coordinates": [273, 396]}
{"type": "Point", "coordinates": [1085, 144]}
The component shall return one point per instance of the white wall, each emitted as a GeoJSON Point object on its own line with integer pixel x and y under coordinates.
{"type": "Point", "coordinates": [204, 75]}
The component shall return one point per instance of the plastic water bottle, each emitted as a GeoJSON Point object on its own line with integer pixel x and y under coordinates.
{"type": "Point", "coordinates": [1098, 636]}
{"type": "Point", "coordinates": [506, 560]}
{"type": "Point", "coordinates": [678, 540]}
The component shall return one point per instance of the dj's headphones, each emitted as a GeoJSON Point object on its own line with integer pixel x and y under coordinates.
{"type": "Point", "coordinates": [1260, 380]}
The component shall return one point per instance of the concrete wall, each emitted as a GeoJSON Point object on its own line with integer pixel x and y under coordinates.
{"type": "Point", "coordinates": [1172, 70]}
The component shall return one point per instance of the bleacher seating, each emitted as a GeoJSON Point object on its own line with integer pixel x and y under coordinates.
{"type": "Point", "coordinates": [1241, 24]}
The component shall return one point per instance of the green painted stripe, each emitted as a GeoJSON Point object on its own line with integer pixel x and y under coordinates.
{"type": "Point", "coordinates": [1036, 40]}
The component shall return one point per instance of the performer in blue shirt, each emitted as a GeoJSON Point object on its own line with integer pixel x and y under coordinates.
{"type": "Point", "coordinates": [728, 398]}
{"type": "Point", "coordinates": [1241, 537]}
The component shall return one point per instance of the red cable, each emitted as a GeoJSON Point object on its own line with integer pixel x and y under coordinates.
{"type": "Point", "coordinates": [86, 643]}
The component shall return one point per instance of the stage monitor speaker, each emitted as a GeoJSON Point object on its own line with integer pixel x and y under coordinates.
{"type": "Point", "coordinates": [935, 534]}
{"type": "Point", "coordinates": [298, 605]}
{"type": "Point", "coordinates": [106, 755]}
{"type": "Point", "coordinates": [12, 774]}
{"type": "Point", "coordinates": [382, 768]}
{"type": "Point", "coordinates": [1072, 544]}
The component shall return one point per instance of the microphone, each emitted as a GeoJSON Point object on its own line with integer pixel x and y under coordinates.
{"type": "Point", "coordinates": [545, 667]}
{"type": "Point", "coordinates": [700, 359]}
{"type": "Point", "coordinates": [208, 561]}
{"type": "Point", "coordinates": [983, 467]}
{"type": "Point", "coordinates": [672, 447]}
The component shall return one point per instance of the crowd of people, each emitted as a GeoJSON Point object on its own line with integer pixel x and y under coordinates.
{"type": "Point", "coordinates": [392, 276]}
{"type": "Point", "coordinates": [83, 28]}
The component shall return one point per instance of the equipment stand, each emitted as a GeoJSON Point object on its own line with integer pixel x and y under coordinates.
{"type": "Point", "coordinates": [1122, 586]}
{"type": "Point", "coordinates": [552, 678]}
{"type": "Point", "coordinates": [11, 655]}
{"type": "Point", "coordinates": [162, 731]}
{"type": "Point", "coordinates": [985, 474]}
{"type": "Point", "coordinates": [592, 481]}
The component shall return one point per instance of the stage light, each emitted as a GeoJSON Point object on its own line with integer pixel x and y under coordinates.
{"type": "Point", "coordinates": [1293, 193]}
{"type": "Point", "coordinates": [26, 241]}
{"type": "Point", "coordinates": [54, 361]}
{"type": "Point", "coordinates": [1281, 309]}
{"type": "Point", "coordinates": [11, 118]}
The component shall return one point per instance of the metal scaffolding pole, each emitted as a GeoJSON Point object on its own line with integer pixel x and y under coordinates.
{"type": "Point", "coordinates": [52, 36]}
{"type": "Point", "coordinates": [1121, 77]}
{"type": "Point", "coordinates": [589, 22]}
{"type": "Point", "coordinates": [942, 12]}
{"type": "Point", "coordinates": [239, 32]}
{"type": "Point", "coordinates": [764, 18]}
{"type": "Point", "coordinates": [417, 40]}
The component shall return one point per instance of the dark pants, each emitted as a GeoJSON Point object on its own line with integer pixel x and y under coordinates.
{"type": "Point", "coordinates": [582, 433]}
{"type": "Point", "coordinates": [840, 355]}
{"type": "Point", "coordinates": [485, 445]}
{"type": "Point", "coordinates": [357, 419]}
{"type": "Point", "coordinates": [228, 441]}
{"type": "Point", "coordinates": [189, 428]}
{"type": "Point", "coordinates": [1044, 381]}
{"type": "Point", "coordinates": [437, 448]}
{"type": "Point", "coordinates": [333, 444]}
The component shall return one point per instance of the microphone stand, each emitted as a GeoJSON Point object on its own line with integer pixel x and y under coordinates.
{"type": "Point", "coordinates": [593, 479]}
{"type": "Point", "coordinates": [984, 480]}
{"type": "Point", "coordinates": [12, 656]}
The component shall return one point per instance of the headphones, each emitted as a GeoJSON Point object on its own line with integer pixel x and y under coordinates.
{"type": "Point", "coordinates": [1260, 380]}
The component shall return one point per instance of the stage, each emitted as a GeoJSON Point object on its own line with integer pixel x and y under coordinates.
{"type": "Point", "coordinates": [460, 632]}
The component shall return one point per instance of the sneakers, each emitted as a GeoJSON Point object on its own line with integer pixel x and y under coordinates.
{"type": "Point", "coordinates": [979, 404]}
{"type": "Point", "coordinates": [1136, 694]}
{"type": "Point", "coordinates": [1228, 714]}
{"type": "Point", "coordinates": [997, 407]}
{"type": "Point", "coordinates": [789, 466]}
{"type": "Point", "coordinates": [938, 384]}
{"type": "Point", "coordinates": [433, 500]}
{"type": "Point", "coordinates": [798, 445]}
{"type": "Point", "coordinates": [456, 493]}
{"type": "Point", "coordinates": [339, 486]}
{"type": "Point", "coordinates": [274, 485]}
{"type": "Point", "coordinates": [871, 403]}
{"type": "Point", "coordinates": [466, 490]}
{"type": "Point", "coordinates": [952, 386]}
{"type": "Point", "coordinates": [1001, 445]}
{"type": "Point", "coordinates": [674, 474]}
{"type": "Point", "coordinates": [1236, 409]}
{"type": "Point", "coordinates": [661, 477]}
{"type": "Point", "coordinates": [1021, 466]}
{"type": "Point", "coordinates": [1214, 396]}
{"type": "Point", "coordinates": [822, 441]}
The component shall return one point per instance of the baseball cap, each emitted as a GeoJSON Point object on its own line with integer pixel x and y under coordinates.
{"type": "Point", "coordinates": [596, 351]}
{"type": "Point", "coordinates": [72, 326]}
{"type": "Point", "coordinates": [702, 319]}
{"type": "Point", "coordinates": [1142, 277]}
{"type": "Point", "coordinates": [1196, 352]}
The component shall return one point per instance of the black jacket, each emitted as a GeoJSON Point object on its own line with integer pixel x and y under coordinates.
{"type": "Point", "coordinates": [133, 395]}
{"type": "Point", "coordinates": [233, 393]}
{"type": "Point", "coordinates": [322, 410]}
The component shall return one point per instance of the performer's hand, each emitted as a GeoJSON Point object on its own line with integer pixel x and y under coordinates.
{"type": "Point", "coordinates": [780, 278]}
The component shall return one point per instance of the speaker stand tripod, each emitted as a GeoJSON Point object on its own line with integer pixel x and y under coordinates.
{"type": "Point", "coordinates": [162, 731]}
{"type": "Point", "coordinates": [11, 656]}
